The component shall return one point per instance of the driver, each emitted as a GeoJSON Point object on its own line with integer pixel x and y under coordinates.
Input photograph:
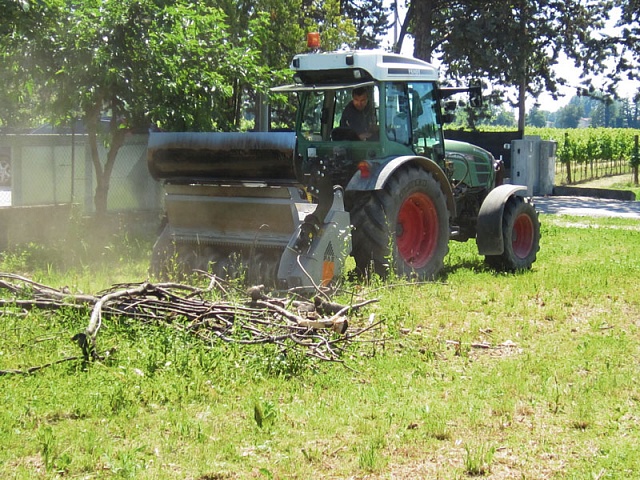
{"type": "Point", "coordinates": [357, 115]}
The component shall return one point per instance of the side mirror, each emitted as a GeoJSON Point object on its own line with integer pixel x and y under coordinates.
{"type": "Point", "coordinates": [475, 94]}
{"type": "Point", "coordinates": [450, 105]}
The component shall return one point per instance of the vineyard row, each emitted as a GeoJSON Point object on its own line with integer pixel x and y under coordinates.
{"type": "Point", "coordinates": [588, 153]}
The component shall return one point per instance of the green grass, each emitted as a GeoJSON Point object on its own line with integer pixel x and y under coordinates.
{"type": "Point", "coordinates": [555, 395]}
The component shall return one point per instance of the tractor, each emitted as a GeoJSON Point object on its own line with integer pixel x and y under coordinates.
{"type": "Point", "coordinates": [288, 208]}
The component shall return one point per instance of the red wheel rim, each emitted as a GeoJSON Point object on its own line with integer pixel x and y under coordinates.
{"type": "Point", "coordinates": [417, 230]}
{"type": "Point", "coordinates": [522, 236]}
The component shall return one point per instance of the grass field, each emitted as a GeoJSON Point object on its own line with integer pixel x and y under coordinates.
{"type": "Point", "coordinates": [532, 375]}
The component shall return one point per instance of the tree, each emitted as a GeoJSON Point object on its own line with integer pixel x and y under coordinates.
{"type": "Point", "coordinates": [569, 116]}
{"type": "Point", "coordinates": [369, 19]}
{"type": "Point", "coordinates": [181, 65]}
{"type": "Point", "coordinates": [537, 117]}
{"type": "Point", "coordinates": [23, 27]}
{"type": "Point", "coordinates": [427, 21]}
{"type": "Point", "coordinates": [628, 43]}
{"type": "Point", "coordinates": [280, 38]}
{"type": "Point", "coordinates": [503, 118]}
{"type": "Point", "coordinates": [633, 115]}
{"type": "Point", "coordinates": [513, 44]}
{"type": "Point", "coordinates": [606, 114]}
{"type": "Point", "coordinates": [144, 62]}
{"type": "Point", "coordinates": [325, 17]}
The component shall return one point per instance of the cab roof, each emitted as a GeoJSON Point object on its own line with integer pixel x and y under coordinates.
{"type": "Point", "coordinates": [358, 66]}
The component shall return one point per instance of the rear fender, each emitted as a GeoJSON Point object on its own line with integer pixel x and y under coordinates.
{"type": "Point", "coordinates": [489, 227]}
{"type": "Point", "coordinates": [378, 178]}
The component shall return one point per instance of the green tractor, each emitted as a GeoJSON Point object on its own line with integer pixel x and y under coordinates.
{"type": "Point", "coordinates": [367, 173]}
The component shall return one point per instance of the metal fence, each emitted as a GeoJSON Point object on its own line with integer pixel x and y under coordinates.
{"type": "Point", "coordinates": [55, 169]}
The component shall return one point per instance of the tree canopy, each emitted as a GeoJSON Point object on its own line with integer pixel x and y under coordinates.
{"type": "Point", "coordinates": [629, 39]}
{"type": "Point", "coordinates": [177, 65]}
{"type": "Point", "coordinates": [510, 44]}
{"type": "Point", "coordinates": [369, 18]}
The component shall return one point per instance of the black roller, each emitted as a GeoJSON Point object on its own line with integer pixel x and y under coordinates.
{"type": "Point", "coordinates": [252, 156]}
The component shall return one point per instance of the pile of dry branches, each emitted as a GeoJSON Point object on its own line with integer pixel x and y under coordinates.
{"type": "Point", "coordinates": [320, 327]}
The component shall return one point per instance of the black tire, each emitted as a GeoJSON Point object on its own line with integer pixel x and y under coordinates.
{"type": "Point", "coordinates": [404, 226]}
{"type": "Point", "coordinates": [521, 237]}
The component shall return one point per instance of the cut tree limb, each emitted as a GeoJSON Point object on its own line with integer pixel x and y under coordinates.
{"type": "Point", "coordinates": [285, 322]}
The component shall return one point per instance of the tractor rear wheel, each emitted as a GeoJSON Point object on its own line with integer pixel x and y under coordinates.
{"type": "Point", "coordinates": [521, 237]}
{"type": "Point", "coordinates": [404, 226]}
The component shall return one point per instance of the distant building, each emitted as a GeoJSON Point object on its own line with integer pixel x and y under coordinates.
{"type": "Point", "coordinates": [584, 122]}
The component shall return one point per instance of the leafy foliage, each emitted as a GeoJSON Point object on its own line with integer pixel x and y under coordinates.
{"type": "Point", "coordinates": [513, 44]}
{"type": "Point", "coordinates": [22, 32]}
{"type": "Point", "coordinates": [627, 43]}
{"type": "Point", "coordinates": [174, 65]}
{"type": "Point", "coordinates": [586, 144]}
{"type": "Point", "coordinates": [369, 19]}
{"type": "Point", "coordinates": [601, 109]}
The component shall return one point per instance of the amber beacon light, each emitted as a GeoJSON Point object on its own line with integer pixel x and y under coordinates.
{"type": "Point", "coordinates": [313, 40]}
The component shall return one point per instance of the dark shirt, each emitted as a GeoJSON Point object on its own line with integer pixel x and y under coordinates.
{"type": "Point", "coordinates": [356, 120]}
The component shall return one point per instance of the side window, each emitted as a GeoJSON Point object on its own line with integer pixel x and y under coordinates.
{"type": "Point", "coordinates": [342, 99]}
{"type": "Point", "coordinates": [311, 126]}
{"type": "Point", "coordinates": [397, 121]}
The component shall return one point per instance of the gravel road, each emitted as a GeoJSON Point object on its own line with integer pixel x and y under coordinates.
{"type": "Point", "coordinates": [588, 206]}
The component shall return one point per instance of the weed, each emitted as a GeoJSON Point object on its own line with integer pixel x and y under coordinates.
{"type": "Point", "coordinates": [369, 454]}
{"type": "Point", "coordinates": [435, 424]}
{"type": "Point", "coordinates": [478, 458]}
{"type": "Point", "coordinates": [48, 446]}
{"type": "Point", "coordinates": [126, 463]}
{"type": "Point", "coordinates": [583, 413]}
{"type": "Point", "coordinates": [275, 361]}
{"type": "Point", "coordinates": [265, 413]}
{"type": "Point", "coordinates": [311, 454]}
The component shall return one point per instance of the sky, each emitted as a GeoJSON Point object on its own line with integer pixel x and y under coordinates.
{"type": "Point", "coordinates": [565, 69]}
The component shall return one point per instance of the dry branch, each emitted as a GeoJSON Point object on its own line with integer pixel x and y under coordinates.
{"type": "Point", "coordinates": [259, 319]}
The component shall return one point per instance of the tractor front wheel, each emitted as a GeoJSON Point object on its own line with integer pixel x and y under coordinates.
{"type": "Point", "coordinates": [404, 227]}
{"type": "Point", "coordinates": [521, 237]}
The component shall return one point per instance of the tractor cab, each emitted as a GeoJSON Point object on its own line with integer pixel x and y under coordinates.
{"type": "Point", "coordinates": [400, 115]}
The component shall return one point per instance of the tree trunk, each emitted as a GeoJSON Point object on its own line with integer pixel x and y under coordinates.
{"type": "Point", "coordinates": [397, 48]}
{"type": "Point", "coordinates": [422, 17]}
{"type": "Point", "coordinates": [523, 56]}
{"type": "Point", "coordinates": [636, 160]}
{"type": "Point", "coordinates": [522, 99]}
{"type": "Point", "coordinates": [237, 107]}
{"type": "Point", "coordinates": [102, 172]}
